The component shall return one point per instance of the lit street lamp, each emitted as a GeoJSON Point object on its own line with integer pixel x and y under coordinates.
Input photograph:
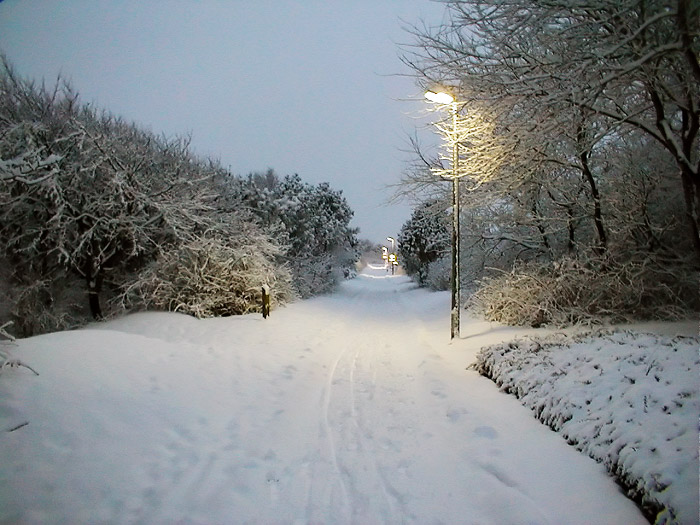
{"type": "Point", "coordinates": [392, 255]}
{"type": "Point", "coordinates": [441, 97]}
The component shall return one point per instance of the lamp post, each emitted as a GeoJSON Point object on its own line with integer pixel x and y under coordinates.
{"type": "Point", "coordinates": [392, 256]}
{"type": "Point", "coordinates": [442, 97]}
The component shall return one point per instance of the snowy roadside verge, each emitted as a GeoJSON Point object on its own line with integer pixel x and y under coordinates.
{"type": "Point", "coordinates": [629, 400]}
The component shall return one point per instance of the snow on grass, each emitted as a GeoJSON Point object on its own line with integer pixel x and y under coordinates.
{"type": "Point", "coordinates": [629, 400]}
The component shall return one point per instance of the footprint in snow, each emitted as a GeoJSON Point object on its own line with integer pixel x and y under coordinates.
{"type": "Point", "coordinates": [290, 371]}
{"type": "Point", "coordinates": [486, 432]}
{"type": "Point", "coordinates": [454, 414]}
{"type": "Point", "coordinates": [439, 393]}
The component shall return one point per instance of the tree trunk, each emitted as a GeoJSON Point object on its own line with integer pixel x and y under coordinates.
{"type": "Point", "coordinates": [94, 281]}
{"type": "Point", "coordinates": [683, 153]}
{"type": "Point", "coordinates": [571, 243]}
{"type": "Point", "coordinates": [540, 226]}
{"type": "Point", "coordinates": [691, 192]}
{"type": "Point", "coordinates": [597, 213]}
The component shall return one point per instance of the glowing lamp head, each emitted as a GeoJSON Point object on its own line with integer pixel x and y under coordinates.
{"type": "Point", "coordinates": [439, 97]}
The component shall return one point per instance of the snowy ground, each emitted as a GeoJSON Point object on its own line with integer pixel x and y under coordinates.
{"type": "Point", "coordinates": [348, 408]}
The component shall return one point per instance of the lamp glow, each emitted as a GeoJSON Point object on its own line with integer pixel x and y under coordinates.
{"type": "Point", "coordinates": [440, 97]}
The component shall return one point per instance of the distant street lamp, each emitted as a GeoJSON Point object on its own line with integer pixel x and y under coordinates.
{"type": "Point", "coordinates": [392, 255]}
{"type": "Point", "coordinates": [441, 97]}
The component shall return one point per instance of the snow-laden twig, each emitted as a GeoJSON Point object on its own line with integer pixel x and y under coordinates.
{"type": "Point", "coordinates": [4, 333]}
{"type": "Point", "coordinates": [17, 427]}
{"type": "Point", "coordinates": [6, 360]}
{"type": "Point", "coordinates": [15, 363]}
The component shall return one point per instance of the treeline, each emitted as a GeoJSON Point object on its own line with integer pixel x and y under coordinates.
{"type": "Point", "coordinates": [99, 216]}
{"type": "Point", "coordinates": [578, 137]}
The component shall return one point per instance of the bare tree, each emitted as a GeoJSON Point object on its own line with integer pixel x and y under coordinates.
{"type": "Point", "coordinates": [597, 104]}
{"type": "Point", "coordinates": [630, 64]}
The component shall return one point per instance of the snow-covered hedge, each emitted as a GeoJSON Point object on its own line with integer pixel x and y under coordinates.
{"type": "Point", "coordinates": [628, 400]}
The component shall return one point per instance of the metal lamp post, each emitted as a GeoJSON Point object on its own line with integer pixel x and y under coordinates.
{"type": "Point", "coordinates": [441, 97]}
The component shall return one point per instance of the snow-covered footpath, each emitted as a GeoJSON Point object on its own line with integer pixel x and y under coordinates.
{"type": "Point", "coordinates": [348, 408]}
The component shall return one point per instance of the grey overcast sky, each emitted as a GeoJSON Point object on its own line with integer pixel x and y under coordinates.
{"type": "Point", "coordinates": [306, 86]}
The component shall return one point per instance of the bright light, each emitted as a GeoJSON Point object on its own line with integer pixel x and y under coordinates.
{"type": "Point", "coordinates": [440, 97]}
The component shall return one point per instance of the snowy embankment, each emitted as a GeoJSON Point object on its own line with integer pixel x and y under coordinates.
{"type": "Point", "coordinates": [629, 400]}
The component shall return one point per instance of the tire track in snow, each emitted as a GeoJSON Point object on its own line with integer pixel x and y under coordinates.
{"type": "Point", "coordinates": [391, 496]}
{"type": "Point", "coordinates": [371, 493]}
{"type": "Point", "coordinates": [327, 433]}
{"type": "Point", "coordinates": [351, 471]}
{"type": "Point", "coordinates": [347, 476]}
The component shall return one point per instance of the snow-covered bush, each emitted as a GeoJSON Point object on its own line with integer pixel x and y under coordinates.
{"type": "Point", "coordinates": [424, 239]}
{"type": "Point", "coordinates": [45, 305]}
{"type": "Point", "coordinates": [628, 400]}
{"type": "Point", "coordinates": [439, 273]}
{"type": "Point", "coordinates": [312, 275]}
{"type": "Point", "coordinates": [208, 277]}
{"type": "Point", "coordinates": [602, 289]}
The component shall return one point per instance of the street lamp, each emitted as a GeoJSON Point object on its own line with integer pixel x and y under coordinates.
{"type": "Point", "coordinates": [392, 255]}
{"type": "Point", "coordinates": [441, 97]}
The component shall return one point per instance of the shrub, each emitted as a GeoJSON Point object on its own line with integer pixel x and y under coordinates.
{"type": "Point", "coordinates": [38, 305]}
{"type": "Point", "coordinates": [207, 277]}
{"type": "Point", "coordinates": [438, 276]}
{"type": "Point", "coordinates": [591, 291]}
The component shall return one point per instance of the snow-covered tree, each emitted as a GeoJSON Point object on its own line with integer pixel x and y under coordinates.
{"type": "Point", "coordinates": [88, 198]}
{"type": "Point", "coordinates": [313, 222]}
{"type": "Point", "coordinates": [110, 195]}
{"type": "Point", "coordinates": [602, 65]}
{"type": "Point", "coordinates": [600, 104]}
{"type": "Point", "coordinates": [425, 239]}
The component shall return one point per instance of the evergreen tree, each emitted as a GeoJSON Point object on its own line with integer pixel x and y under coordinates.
{"type": "Point", "coordinates": [424, 239]}
{"type": "Point", "coordinates": [313, 222]}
